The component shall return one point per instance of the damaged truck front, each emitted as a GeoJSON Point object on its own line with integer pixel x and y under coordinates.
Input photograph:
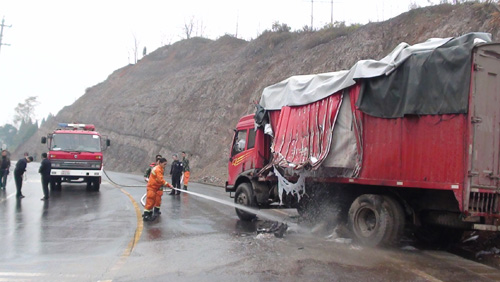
{"type": "Point", "coordinates": [410, 140]}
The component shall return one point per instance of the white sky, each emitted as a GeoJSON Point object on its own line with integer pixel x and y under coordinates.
{"type": "Point", "coordinates": [59, 48]}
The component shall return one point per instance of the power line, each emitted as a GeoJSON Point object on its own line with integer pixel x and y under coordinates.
{"type": "Point", "coordinates": [1, 32]}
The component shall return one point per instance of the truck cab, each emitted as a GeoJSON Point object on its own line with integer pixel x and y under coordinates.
{"type": "Point", "coordinates": [249, 153]}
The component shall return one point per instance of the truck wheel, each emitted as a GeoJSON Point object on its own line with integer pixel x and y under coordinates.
{"type": "Point", "coordinates": [52, 184]}
{"type": "Point", "coordinates": [375, 220]}
{"type": "Point", "coordinates": [244, 196]}
{"type": "Point", "coordinates": [55, 183]}
{"type": "Point", "coordinates": [398, 216]}
{"type": "Point", "coordinates": [96, 184]}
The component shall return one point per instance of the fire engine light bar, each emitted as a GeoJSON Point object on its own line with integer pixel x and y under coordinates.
{"type": "Point", "coordinates": [89, 127]}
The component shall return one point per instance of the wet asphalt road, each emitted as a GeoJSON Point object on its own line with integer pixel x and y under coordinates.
{"type": "Point", "coordinates": [80, 235]}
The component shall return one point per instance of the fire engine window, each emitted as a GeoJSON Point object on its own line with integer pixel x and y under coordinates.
{"type": "Point", "coordinates": [239, 142]}
{"type": "Point", "coordinates": [76, 142]}
{"type": "Point", "coordinates": [251, 139]}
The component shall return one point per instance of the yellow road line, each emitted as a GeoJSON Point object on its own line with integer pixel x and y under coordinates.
{"type": "Point", "coordinates": [133, 242]}
{"type": "Point", "coordinates": [138, 229]}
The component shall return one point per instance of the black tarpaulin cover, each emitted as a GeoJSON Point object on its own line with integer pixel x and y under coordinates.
{"type": "Point", "coordinates": [427, 83]}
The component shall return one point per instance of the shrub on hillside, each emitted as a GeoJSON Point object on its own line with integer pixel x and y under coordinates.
{"type": "Point", "coordinates": [329, 32]}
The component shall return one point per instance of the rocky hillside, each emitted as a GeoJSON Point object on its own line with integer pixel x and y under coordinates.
{"type": "Point", "coordinates": [189, 95]}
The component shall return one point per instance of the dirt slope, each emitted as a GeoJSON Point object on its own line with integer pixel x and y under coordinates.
{"type": "Point", "coordinates": [189, 95]}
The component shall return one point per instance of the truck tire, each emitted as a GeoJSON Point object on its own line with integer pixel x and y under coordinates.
{"type": "Point", "coordinates": [93, 183]}
{"type": "Point", "coordinates": [398, 225]}
{"type": "Point", "coordinates": [244, 196]}
{"type": "Point", "coordinates": [55, 183]}
{"type": "Point", "coordinates": [96, 184]}
{"type": "Point", "coordinates": [375, 220]}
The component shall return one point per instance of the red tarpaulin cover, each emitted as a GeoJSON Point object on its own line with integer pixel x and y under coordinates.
{"type": "Point", "coordinates": [303, 134]}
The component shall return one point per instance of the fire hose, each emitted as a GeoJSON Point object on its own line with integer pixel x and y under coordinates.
{"type": "Point", "coordinates": [143, 198]}
{"type": "Point", "coordinates": [278, 228]}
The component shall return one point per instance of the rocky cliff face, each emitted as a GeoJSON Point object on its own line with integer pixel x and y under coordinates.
{"type": "Point", "coordinates": [189, 96]}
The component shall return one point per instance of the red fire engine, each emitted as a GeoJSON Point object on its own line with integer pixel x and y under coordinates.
{"type": "Point", "coordinates": [75, 151]}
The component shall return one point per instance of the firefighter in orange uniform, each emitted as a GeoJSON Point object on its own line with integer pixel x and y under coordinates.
{"type": "Point", "coordinates": [155, 191]}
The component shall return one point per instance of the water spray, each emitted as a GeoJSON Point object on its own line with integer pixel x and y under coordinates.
{"type": "Point", "coordinates": [257, 212]}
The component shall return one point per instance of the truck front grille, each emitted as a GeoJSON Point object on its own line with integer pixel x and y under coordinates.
{"type": "Point", "coordinates": [483, 202]}
{"type": "Point", "coordinates": [75, 164]}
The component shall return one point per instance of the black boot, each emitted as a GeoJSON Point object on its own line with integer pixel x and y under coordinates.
{"type": "Point", "coordinates": [185, 187]}
{"type": "Point", "coordinates": [147, 216]}
{"type": "Point", "coordinates": [157, 211]}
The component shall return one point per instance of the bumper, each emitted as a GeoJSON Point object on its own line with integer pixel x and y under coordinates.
{"type": "Point", "coordinates": [229, 188]}
{"type": "Point", "coordinates": [74, 172]}
{"type": "Point", "coordinates": [486, 227]}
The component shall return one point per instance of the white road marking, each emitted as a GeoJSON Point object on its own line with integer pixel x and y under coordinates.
{"type": "Point", "coordinates": [6, 198]}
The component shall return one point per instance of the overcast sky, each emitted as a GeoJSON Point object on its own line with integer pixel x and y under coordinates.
{"type": "Point", "coordinates": [60, 48]}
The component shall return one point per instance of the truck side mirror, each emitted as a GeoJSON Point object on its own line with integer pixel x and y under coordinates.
{"type": "Point", "coordinates": [108, 142]}
{"type": "Point", "coordinates": [44, 140]}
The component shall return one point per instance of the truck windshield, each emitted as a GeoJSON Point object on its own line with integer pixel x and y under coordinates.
{"type": "Point", "coordinates": [76, 142]}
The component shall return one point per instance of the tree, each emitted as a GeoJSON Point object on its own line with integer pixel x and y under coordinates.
{"type": "Point", "coordinates": [413, 5]}
{"type": "Point", "coordinates": [25, 112]}
{"type": "Point", "coordinates": [26, 130]}
{"type": "Point", "coordinates": [277, 27]}
{"type": "Point", "coordinates": [7, 135]}
{"type": "Point", "coordinates": [144, 52]}
{"type": "Point", "coordinates": [188, 28]}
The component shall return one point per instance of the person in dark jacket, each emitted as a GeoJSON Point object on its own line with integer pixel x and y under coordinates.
{"type": "Point", "coordinates": [4, 169]}
{"type": "Point", "coordinates": [18, 174]}
{"type": "Point", "coordinates": [45, 167]}
{"type": "Point", "coordinates": [176, 172]}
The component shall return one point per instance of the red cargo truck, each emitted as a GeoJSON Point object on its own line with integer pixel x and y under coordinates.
{"type": "Point", "coordinates": [415, 143]}
{"type": "Point", "coordinates": [75, 151]}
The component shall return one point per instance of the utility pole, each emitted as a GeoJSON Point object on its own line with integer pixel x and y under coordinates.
{"type": "Point", "coordinates": [312, 12]}
{"type": "Point", "coordinates": [331, 14]}
{"type": "Point", "coordinates": [1, 32]}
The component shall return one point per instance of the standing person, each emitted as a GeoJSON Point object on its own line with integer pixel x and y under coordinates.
{"type": "Point", "coordinates": [154, 188]}
{"type": "Point", "coordinates": [148, 171]}
{"type": "Point", "coordinates": [26, 154]}
{"type": "Point", "coordinates": [18, 174]}
{"type": "Point", "coordinates": [187, 172]}
{"type": "Point", "coordinates": [176, 173]}
{"type": "Point", "coordinates": [45, 167]}
{"type": "Point", "coordinates": [4, 169]}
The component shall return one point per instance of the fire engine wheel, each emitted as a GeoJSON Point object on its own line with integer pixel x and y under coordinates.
{"type": "Point", "coordinates": [55, 184]}
{"type": "Point", "coordinates": [244, 196]}
{"type": "Point", "coordinates": [93, 184]}
{"type": "Point", "coordinates": [376, 220]}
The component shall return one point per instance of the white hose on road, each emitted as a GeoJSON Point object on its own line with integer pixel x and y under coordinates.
{"type": "Point", "coordinates": [143, 199]}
